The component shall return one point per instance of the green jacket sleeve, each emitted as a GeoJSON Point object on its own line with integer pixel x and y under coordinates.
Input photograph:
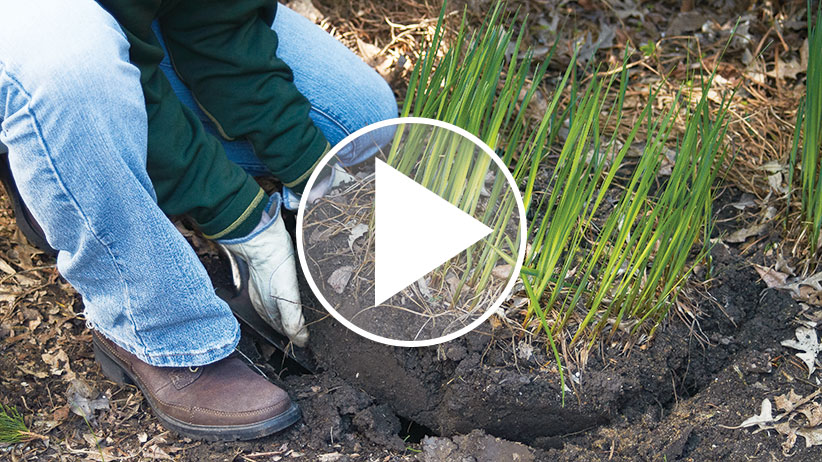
{"type": "Point", "coordinates": [226, 52]}
{"type": "Point", "coordinates": [188, 168]}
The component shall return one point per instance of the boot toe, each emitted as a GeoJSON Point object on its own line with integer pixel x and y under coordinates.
{"type": "Point", "coordinates": [225, 400]}
{"type": "Point", "coordinates": [234, 394]}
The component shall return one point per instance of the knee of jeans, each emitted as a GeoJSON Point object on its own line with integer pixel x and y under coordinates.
{"type": "Point", "coordinates": [366, 98]}
{"type": "Point", "coordinates": [384, 101]}
{"type": "Point", "coordinates": [58, 47]}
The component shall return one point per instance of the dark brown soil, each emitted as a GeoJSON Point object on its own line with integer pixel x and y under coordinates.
{"type": "Point", "coordinates": [676, 383]}
{"type": "Point", "coordinates": [481, 396]}
{"type": "Point", "coordinates": [665, 400]}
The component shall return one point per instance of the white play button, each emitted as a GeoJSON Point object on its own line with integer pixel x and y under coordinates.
{"type": "Point", "coordinates": [390, 258]}
{"type": "Point", "coordinates": [416, 231]}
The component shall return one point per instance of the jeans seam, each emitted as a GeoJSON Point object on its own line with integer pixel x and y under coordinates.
{"type": "Point", "coordinates": [334, 119]}
{"type": "Point", "coordinates": [73, 200]}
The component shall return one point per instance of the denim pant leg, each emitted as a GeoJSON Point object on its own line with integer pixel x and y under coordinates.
{"type": "Point", "coordinates": [345, 93]}
{"type": "Point", "coordinates": [74, 120]}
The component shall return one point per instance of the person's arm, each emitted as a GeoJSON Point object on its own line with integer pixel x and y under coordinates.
{"type": "Point", "coordinates": [188, 168]}
{"type": "Point", "coordinates": [191, 173]}
{"type": "Point", "coordinates": [226, 52]}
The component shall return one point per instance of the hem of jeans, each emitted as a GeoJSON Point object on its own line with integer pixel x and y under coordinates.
{"type": "Point", "coordinates": [240, 216]}
{"type": "Point", "coordinates": [199, 357]}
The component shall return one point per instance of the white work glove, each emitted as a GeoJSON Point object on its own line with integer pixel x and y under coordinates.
{"type": "Point", "coordinates": [328, 180]}
{"type": "Point", "coordinates": [272, 273]}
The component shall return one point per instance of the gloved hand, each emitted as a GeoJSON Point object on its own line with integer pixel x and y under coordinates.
{"type": "Point", "coordinates": [272, 282]}
{"type": "Point", "coordinates": [328, 180]}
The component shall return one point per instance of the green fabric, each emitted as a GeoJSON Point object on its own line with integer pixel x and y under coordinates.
{"type": "Point", "coordinates": [225, 51]}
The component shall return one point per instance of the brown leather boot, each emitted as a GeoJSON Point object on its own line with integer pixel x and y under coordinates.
{"type": "Point", "coordinates": [222, 401]}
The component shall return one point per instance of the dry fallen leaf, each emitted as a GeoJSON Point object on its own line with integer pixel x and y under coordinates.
{"type": "Point", "coordinates": [741, 235]}
{"type": "Point", "coordinates": [330, 457]}
{"type": "Point", "coordinates": [775, 183]}
{"type": "Point", "coordinates": [812, 412]}
{"type": "Point", "coordinates": [627, 8]}
{"type": "Point", "coordinates": [60, 414]}
{"type": "Point", "coordinates": [369, 52]}
{"type": "Point", "coordinates": [783, 266]}
{"type": "Point", "coordinates": [422, 285]}
{"type": "Point", "coordinates": [525, 350]}
{"type": "Point", "coordinates": [789, 432]}
{"type": "Point", "coordinates": [788, 401]}
{"type": "Point", "coordinates": [156, 452]}
{"type": "Point", "coordinates": [787, 69]}
{"type": "Point", "coordinates": [807, 342]}
{"type": "Point", "coordinates": [453, 283]}
{"type": "Point", "coordinates": [808, 290]}
{"type": "Point", "coordinates": [339, 278]}
{"type": "Point", "coordinates": [666, 167]}
{"type": "Point", "coordinates": [59, 363]}
{"type": "Point", "coordinates": [772, 278]}
{"type": "Point", "coordinates": [812, 316]}
{"type": "Point", "coordinates": [84, 399]}
{"type": "Point", "coordinates": [789, 443]}
{"type": "Point", "coordinates": [813, 436]}
{"type": "Point", "coordinates": [690, 21]}
{"type": "Point", "coordinates": [793, 405]}
{"type": "Point", "coordinates": [762, 420]}
{"type": "Point", "coordinates": [502, 271]}
{"type": "Point", "coordinates": [747, 200]}
{"type": "Point", "coordinates": [320, 235]}
{"type": "Point", "coordinates": [356, 233]}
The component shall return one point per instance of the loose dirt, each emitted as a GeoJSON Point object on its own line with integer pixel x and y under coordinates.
{"type": "Point", "coordinates": [665, 400]}
{"type": "Point", "coordinates": [486, 396]}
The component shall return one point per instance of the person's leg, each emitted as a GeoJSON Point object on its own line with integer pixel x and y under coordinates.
{"type": "Point", "coordinates": [74, 120]}
{"type": "Point", "coordinates": [344, 92]}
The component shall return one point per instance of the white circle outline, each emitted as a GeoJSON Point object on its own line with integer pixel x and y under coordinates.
{"type": "Point", "coordinates": [511, 280]}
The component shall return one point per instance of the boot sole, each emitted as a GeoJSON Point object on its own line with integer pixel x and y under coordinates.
{"type": "Point", "coordinates": [118, 373]}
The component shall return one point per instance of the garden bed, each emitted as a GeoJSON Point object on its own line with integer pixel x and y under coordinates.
{"type": "Point", "coordinates": [665, 398]}
{"type": "Point", "coordinates": [368, 401]}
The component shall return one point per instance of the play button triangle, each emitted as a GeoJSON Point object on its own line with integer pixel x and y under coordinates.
{"type": "Point", "coordinates": [416, 231]}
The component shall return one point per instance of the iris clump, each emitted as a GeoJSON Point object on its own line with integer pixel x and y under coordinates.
{"type": "Point", "coordinates": [480, 84]}
{"type": "Point", "coordinates": [611, 241]}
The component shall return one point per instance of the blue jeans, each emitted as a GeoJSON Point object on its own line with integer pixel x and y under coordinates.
{"type": "Point", "coordinates": [74, 120]}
